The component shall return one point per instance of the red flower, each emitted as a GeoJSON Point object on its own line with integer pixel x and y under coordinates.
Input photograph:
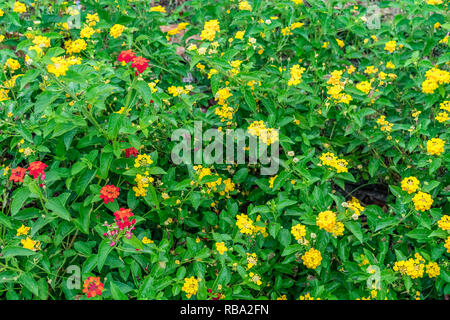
{"type": "Point", "coordinates": [92, 287]}
{"type": "Point", "coordinates": [140, 63]}
{"type": "Point", "coordinates": [17, 174]}
{"type": "Point", "coordinates": [126, 56]}
{"type": "Point", "coordinates": [131, 152]}
{"type": "Point", "coordinates": [36, 168]}
{"type": "Point", "coordinates": [108, 193]}
{"type": "Point", "coordinates": [122, 218]}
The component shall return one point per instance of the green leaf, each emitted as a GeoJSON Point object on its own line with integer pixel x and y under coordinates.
{"type": "Point", "coordinates": [58, 208]}
{"type": "Point", "coordinates": [355, 228]}
{"type": "Point", "coordinates": [103, 252]}
{"type": "Point", "coordinates": [116, 293]}
{"type": "Point", "coordinates": [27, 280]}
{"type": "Point", "coordinates": [19, 197]}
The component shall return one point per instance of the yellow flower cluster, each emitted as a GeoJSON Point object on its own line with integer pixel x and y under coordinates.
{"type": "Point", "coordinates": [225, 113]}
{"type": "Point", "coordinates": [210, 29]}
{"type": "Point", "coordinates": [447, 244]}
{"type": "Point", "coordinates": [390, 46]}
{"type": "Point", "coordinates": [86, 32]}
{"type": "Point", "coordinates": [92, 19]}
{"type": "Point", "coordinates": [444, 222]}
{"type": "Point", "coordinates": [146, 240]}
{"type": "Point", "coordinates": [221, 248]}
{"type": "Point", "coordinates": [158, 9]}
{"type": "Point", "coordinates": [23, 230]}
{"type": "Point", "coordinates": [287, 31]}
{"type": "Point", "coordinates": [432, 269]}
{"type": "Point", "coordinates": [433, 78]}
{"type": "Point", "coordinates": [142, 183]}
{"type": "Point", "coordinates": [190, 286]}
{"type": "Point", "coordinates": [296, 75]}
{"type": "Point", "coordinates": [410, 184]}
{"type": "Point", "coordinates": [416, 267]}
{"type": "Point", "coordinates": [364, 86]}
{"type": "Point", "coordinates": [259, 129]}
{"type": "Point", "coordinates": [246, 225]}
{"type": "Point", "coordinates": [142, 160]}
{"type": "Point", "coordinates": [222, 96]}
{"type": "Point", "coordinates": [60, 65]}
{"type": "Point", "coordinates": [30, 244]}
{"type": "Point", "coordinates": [435, 146]}
{"type": "Point", "coordinates": [245, 6]}
{"type": "Point", "coordinates": [422, 201]}
{"type": "Point", "coordinates": [12, 64]}
{"type": "Point", "coordinates": [330, 159]}
{"type": "Point", "coordinates": [327, 220]}
{"type": "Point", "coordinates": [384, 124]}
{"type": "Point", "coordinates": [337, 86]}
{"type": "Point", "coordinates": [355, 206]}
{"type": "Point", "coordinates": [312, 258]}
{"type": "Point", "coordinates": [116, 30]}
{"type": "Point", "coordinates": [75, 46]}
{"type": "Point", "coordinates": [19, 7]}
{"type": "Point", "coordinates": [252, 260]}
{"type": "Point", "coordinates": [307, 297]}
{"type": "Point", "coordinates": [180, 27]}
{"type": "Point", "coordinates": [255, 278]}
{"type": "Point", "coordinates": [176, 91]}
{"type": "Point", "coordinates": [298, 231]}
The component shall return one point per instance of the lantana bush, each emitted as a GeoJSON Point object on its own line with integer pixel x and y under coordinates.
{"type": "Point", "coordinates": [353, 96]}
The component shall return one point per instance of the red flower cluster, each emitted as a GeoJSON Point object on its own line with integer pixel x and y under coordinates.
{"type": "Point", "coordinates": [109, 192]}
{"type": "Point", "coordinates": [126, 56]}
{"type": "Point", "coordinates": [140, 63]}
{"type": "Point", "coordinates": [35, 169]}
{"type": "Point", "coordinates": [122, 219]}
{"type": "Point", "coordinates": [131, 152]}
{"type": "Point", "coordinates": [92, 287]}
{"type": "Point", "coordinates": [17, 174]}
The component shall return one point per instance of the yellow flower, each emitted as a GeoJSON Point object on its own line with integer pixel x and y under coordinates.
{"type": "Point", "coordinates": [190, 286]}
{"type": "Point", "coordinates": [245, 6]}
{"type": "Point", "coordinates": [143, 160]}
{"type": "Point", "coordinates": [28, 243]}
{"type": "Point", "coordinates": [158, 9]}
{"type": "Point", "coordinates": [209, 30]}
{"type": "Point", "coordinates": [22, 230]}
{"type": "Point", "coordinates": [411, 267]}
{"type": "Point", "coordinates": [221, 248]}
{"type": "Point", "coordinates": [116, 30]}
{"type": "Point", "coordinates": [75, 46]}
{"type": "Point", "coordinates": [435, 146]}
{"type": "Point", "coordinates": [59, 66]}
{"type": "Point", "coordinates": [239, 35]}
{"type": "Point", "coordinates": [442, 117]}
{"type": "Point", "coordinates": [312, 258]}
{"type": "Point", "coordinates": [271, 181]}
{"type": "Point", "coordinates": [255, 278]}
{"type": "Point", "coordinates": [364, 86]}
{"type": "Point", "coordinates": [298, 231]}
{"type": "Point", "coordinates": [92, 19]}
{"type": "Point", "coordinates": [252, 260]}
{"type": "Point", "coordinates": [340, 43]}
{"type": "Point", "coordinates": [390, 65]}
{"type": "Point", "coordinates": [145, 240]}
{"type": "Point", "coordinates": [245, 224]}
{"type": "Point", "coordinates": [432, 269]}
{"type": "Point", "coordinates": [422, 201]}
{"type": "Point", "coordinates": [410, 184]}
{"type": "Point", "coordinates": [307, 297]}
{"type": "Point", "coordinates": [444, 222]}
{"type": "Point", "coordinates": [390, 46]}
{"type": "Point", "coordinates": [12, 64]}
{"type": "Point", "coordinates": [296, 75]}
{"type": "Point", "coordinates": [447, 244]}
{"type": "Point", "coordinates": [19, 7]}
{"type": "Point", "coordinates": [86, 32]}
